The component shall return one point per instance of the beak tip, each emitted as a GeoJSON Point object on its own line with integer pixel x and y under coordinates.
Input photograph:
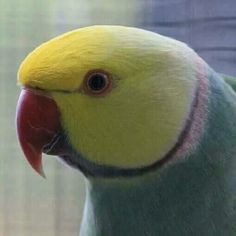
{"type": "Point", "coordinates": [40, 171]}
{"type": "Point", "coordinates": [37, 166]}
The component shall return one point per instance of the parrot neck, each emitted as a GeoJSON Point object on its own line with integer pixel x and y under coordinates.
{"type": "Point", "coordinates": [115, 207]}
{"type": "Point", "coordinates": [155, 203]}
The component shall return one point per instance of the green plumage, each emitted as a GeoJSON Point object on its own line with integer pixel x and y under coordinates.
{"type": "Point", "coordinates": [230, 80]}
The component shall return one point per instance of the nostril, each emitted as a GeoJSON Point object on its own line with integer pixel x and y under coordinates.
{"type": "Point", "coordinates": [37, 91]}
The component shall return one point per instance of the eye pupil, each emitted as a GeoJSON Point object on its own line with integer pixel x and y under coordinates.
{"type": "Point", "coordinates": [97, 82]}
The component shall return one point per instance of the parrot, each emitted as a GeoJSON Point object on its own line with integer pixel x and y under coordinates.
{"type": "Point", "coordinates": [148, 122]}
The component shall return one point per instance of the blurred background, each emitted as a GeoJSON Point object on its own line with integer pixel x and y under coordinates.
{"type": "Point", "coordinates": [29, 204]}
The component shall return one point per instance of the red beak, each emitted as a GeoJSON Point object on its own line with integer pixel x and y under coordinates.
{"type": "Point", "coordinates": [38, 122]}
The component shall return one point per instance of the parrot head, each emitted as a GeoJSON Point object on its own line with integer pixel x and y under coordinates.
{"type": "Point", "coordinates": [108, 100]}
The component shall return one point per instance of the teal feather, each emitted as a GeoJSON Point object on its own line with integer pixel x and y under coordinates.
{"type": "Point", "coordinates": [230, 80]}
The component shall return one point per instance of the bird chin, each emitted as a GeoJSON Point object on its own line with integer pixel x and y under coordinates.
{"type": "Point", "coordinates": [60, 146]}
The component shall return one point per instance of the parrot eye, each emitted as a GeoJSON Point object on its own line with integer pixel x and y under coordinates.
{"type": "Point", "coordinates": [97, 82]}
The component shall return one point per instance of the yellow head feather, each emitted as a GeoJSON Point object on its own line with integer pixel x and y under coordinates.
{"type": "Point", "coordinates": [140, 119]}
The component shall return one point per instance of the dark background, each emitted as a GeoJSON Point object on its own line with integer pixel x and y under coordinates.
{"type": "Point", "coordinates": [208, 26]}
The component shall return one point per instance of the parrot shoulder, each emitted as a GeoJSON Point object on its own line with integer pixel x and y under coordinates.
{"type": "Point", "coordinates": [230, 80]}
